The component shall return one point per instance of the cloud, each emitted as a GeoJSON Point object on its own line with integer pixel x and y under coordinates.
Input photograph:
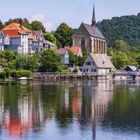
{"type": "Point", "coordinates": [42, 18]}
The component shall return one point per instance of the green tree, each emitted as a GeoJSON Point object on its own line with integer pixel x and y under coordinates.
{"type": "Point", "coordinates": [37, 25]}
{"type": "Point", "coordinates": [1, 25]}
{"type": "Point", "coordinates": [121, 45]}
{"type": "Point", "coordinates": [50, 61]}
{"type": "Point", "coordinates": [21, 61]}
{"type": "Point", "coordinates": [33, 62]}
{"type": "Point", "coordinates": [50, 37]}
{"type": "Point", "coordinates": [126, 28]}
{"type": "Point", "coordinates": [64, 34]}
{"type": "Point", "coordinates": [72, 59]}
{"type": "Point", "coordinates": [121, 59]}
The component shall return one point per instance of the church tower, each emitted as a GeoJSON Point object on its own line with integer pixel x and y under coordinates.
{"type": "Point", "coordinates": [93, 16]}
{"type": "Point", "coordinates": [90, 37]}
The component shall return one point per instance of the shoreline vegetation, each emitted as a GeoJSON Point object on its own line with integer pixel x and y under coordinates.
{"type": "Point", "coordinates": [123, 48]}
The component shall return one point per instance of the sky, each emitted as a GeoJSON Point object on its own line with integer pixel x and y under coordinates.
{"type": "Point", "coordinates": [72, 12]}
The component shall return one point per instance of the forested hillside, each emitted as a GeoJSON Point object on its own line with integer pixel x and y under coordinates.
{"type": "Point", "coordinates": [125, 28]}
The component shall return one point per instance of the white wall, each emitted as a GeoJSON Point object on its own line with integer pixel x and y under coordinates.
{"type": "Point", "coordinates": [93, 68]}
{"type": "Point", "coordinates": [24, 43]}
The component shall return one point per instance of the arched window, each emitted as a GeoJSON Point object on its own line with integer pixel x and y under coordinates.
{"type": "Point", "coordinates": [83, 44]}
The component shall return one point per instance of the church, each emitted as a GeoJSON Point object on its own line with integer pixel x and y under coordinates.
{"type": "Point", "coordinates": [90, 38]}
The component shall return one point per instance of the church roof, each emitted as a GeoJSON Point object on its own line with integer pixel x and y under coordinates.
{"type": "Point", "coordinates": [101, 60]}
{"type": "Point", "coordinates": [93, 31]}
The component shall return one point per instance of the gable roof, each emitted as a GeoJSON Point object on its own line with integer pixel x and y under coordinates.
{"type": "Point", "coordinates": [74, 49]}
{"type": "Point", "coordinates": [93, 31]}
{"type": "Point", "coordinates": [15, 29]}
{"type": "Point", "coordinates": [61, 51]}
{"type": "Point", "coordinates": [132, 68]}
{"type": "Point", "coordinates": [33, 37]}
{"type": "Point", "coordinates": [49, 43]}
{"type": "Point", "coordinates": [101, 60]}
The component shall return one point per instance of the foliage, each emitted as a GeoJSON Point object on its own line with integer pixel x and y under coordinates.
{"type": "Point", "coordinates": [121, 45]}
{"type": "Point", "coordinates": [37, 25]}
{"type": "Point", "coordinates": [121, 59]}
{"type": "Point", "coordinates": [72, 59]}
{"type": "Point", "coordinates": [2, 75]}
{"type": "Point", "coordinates": [50, 61]}
{"type": "Point", "coordinates": [21, 61]}
{"type": "Point", "coordinates": [7, 72]}
{"type": "Point", "coordinates": [1, 25]}
{"type": "Point", "coordinates": [64, 34]}
{"type": "Point", "coordinates": [20, 73]}
{"type": "Point", "coordinates": [33, 62]}
{"type": "Point", "coordinates": [126, 28]}
{"type": "Point", "coordinates": [24, 22]}
{"type": "Point", "coordinates": [50, 37]}
{"type": "Point", "coordinates": [75, 70]}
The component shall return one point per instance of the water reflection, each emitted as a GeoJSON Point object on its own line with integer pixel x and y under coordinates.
{"type": "Point", "coordinates": [68, 110]}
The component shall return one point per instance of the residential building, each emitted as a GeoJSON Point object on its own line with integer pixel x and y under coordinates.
{"type": "Point", "coordinates": [63, 52]}
{"type": "Point", "coordinates": [2, 37]}
{"type": "Point", "coordinates": [76, 50]}
{"type": "Point", "coordinates": [18, 38]}
{"type": "Point", "coordinates": [50, 45]}
{"type": "Point", "coordinates": [97, 63]}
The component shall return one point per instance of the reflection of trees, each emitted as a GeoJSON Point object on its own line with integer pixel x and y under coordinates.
{"type": "Point", "coordinates": [124, 112]}
{"type": "Point", "coordinates": [29, 106]}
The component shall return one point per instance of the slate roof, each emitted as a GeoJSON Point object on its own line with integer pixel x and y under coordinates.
{"type": "Point", "coordinates": [102, 60]}
{"type": "Point", "coordinates": [132, 68]}
{"type": "Point", "coordinates": [93, 31]}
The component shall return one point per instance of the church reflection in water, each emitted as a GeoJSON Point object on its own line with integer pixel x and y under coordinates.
{"type": "Point", "coordinates": [25, 109]}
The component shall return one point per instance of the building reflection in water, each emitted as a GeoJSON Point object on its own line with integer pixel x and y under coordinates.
{"type": "Point", "coordinates": [25, 109]}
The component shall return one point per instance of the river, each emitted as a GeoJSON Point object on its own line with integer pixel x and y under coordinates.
{"type": "Point", "coordinates": [85, 110]}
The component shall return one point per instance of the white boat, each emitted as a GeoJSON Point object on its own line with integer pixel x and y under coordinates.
{"type": "Point", "coordinates": [23, 78]}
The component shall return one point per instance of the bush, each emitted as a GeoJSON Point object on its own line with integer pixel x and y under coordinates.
{"type": "Point", "coordinates": [75, 70]}
{"type": "Point", "coordinates": [7, 72]}
{"type": "Point", "coordinates": [21, 73]}
{"type": "Point", "coordinates": [2, 75]}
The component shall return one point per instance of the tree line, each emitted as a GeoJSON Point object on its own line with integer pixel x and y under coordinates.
{"type": "Point", "coordinates": [122, 34]}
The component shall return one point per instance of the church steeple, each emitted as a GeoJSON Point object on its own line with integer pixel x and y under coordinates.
{"type": "Point", "coordinates": [93, 16]}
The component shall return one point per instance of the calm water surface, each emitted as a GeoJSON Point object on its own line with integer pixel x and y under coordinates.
{"type": "Point", "coordinates": [69, 111]}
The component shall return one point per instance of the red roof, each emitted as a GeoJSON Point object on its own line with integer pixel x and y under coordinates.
{"type": "Point", "coordinates": [74, 49]}
{"type": "Point", "coordinates": [14, 30]}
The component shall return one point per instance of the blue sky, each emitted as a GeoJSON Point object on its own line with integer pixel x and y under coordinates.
{"type": "Point", "coordinates": [73, 12]}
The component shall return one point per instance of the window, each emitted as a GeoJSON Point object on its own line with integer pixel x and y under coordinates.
{"type": "Point", "coordinates": [30, 41]}
{"type": "Point", "coordinates": [88, 63]}
{"type": "Point", "coordinates": [83, 43]}
{"type": "Point", "coordinates": [1, 40]}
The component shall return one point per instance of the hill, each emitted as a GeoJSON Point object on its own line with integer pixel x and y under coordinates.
{"type": "Point", "coordinates": [126, 28]}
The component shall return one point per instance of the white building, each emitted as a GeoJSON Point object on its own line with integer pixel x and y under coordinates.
{"type": "Point", "coordinates": [97, 63]}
